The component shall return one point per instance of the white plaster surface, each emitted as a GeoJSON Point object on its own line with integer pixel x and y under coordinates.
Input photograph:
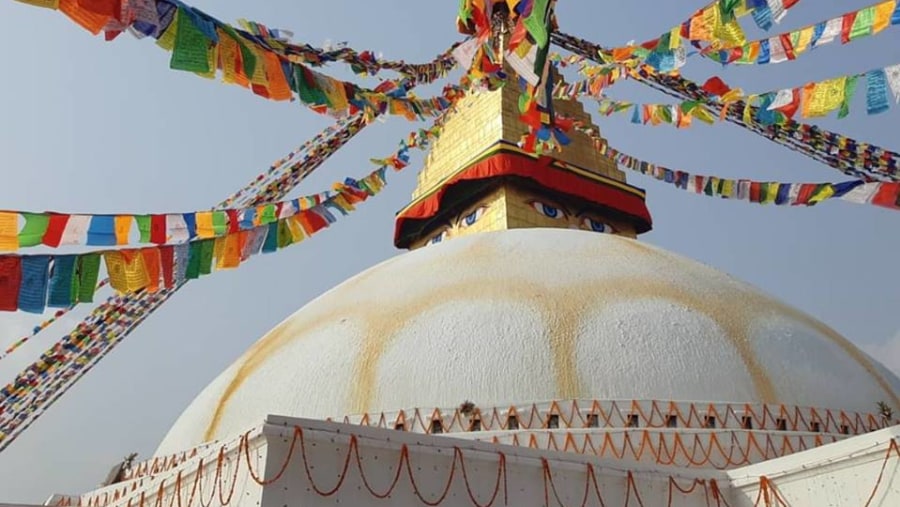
{"type": "Point", "coordinates": [529, 315]}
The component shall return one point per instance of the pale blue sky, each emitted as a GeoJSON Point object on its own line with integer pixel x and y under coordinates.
{"type": "Point", "coordinates": [92, 126]}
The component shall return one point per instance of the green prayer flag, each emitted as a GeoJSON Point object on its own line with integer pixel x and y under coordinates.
{"type": "Point", "coordinates": [849, 91]}
{"type": "Point", "coordinates": [306, 87]}
{"type": "Point", "coordinates": [727, 7]}
{"type": "Point", "coordinates": [207, 249]}
{"type": "Point", "coordinates": [464, 11]}
{"type": "Point", "coordinates": [193, 265]}
{"type": "Point", "coordinates": [268, 215]}
{"type": "Point", "coordinates": [863, 23]}
{"type": "Point", "coordinates": [143, 222]}
{"type": "Point", "coordinates": [220, 222]}
{"type": "Point", "coordinates": [35, 227]}
{"type": "Point", "coordinates": [665, 113]}
{"type": "Point", "coordinates": [536, 23]}
{"type": "Point", "coordinates": [285, 238]}
{"type": "Point", "coordinates": [88, 273]}
{"type": "Point", "coordinates": [191, 51]}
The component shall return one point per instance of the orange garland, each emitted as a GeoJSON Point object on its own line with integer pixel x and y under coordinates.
{"type": "Point", "coordinates": [767, 492]}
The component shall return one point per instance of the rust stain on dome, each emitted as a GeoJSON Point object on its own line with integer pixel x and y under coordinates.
{"type": "Point", "coordinates": [733, 311]}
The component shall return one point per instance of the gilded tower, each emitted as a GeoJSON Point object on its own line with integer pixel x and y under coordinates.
{"type": "Point", "coordinates": [476, 178]}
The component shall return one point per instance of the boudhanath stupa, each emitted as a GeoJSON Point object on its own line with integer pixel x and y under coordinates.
{"type": "Point", "coordinates": [529, 349]}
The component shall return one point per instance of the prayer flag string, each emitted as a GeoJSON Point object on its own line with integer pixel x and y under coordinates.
{"type": "Point", "coordinates": [788, 46]}
{"type": "Point", "coordinates": [863, 160]}
{"type": "Point", "coordinates": [812, 100]}
{"type": "Point", "coordinates": [201, 44]}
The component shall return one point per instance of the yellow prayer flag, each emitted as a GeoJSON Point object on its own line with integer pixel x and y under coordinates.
{"type": "Point", "coordinates": [883, 13]}
{"type": "Point", "coordinates": [219, 250]}
{"type": "Point", "coordinates": [342, 202]}
{"type": "Point", "coordinates": [123, 229]}
{"type": "Point", "coordinates": [297, 234]}
{"type": "Point", "coordinates": [771, 193]}
{"type": "Point", "coordinates": [822, 194]}
{"type": "Point", "coordinates": [205, 227]}
{"type": "Point", "coordinates": [731, 34]}
{"type": "Point", "coordinates": [9, 231]}
{"type": "Point", "coordinates": [703, 114]}
{"type": "Point", "coordinates": [728, 188]}
{"type": "Point", "coordinates": [127, 271]}
{"type": "Point", "coordinates": [804, 38]}
{"type": "Point", "coordinates": [167, 40]}
{"type": "Point", "coordinates": [821, 98]}
{"type": "Point", "coordinates": [48, 4]}
{"type": "Point", "coordinates": [228, 56]}
{"type": "Point", "coordinates": [675, 38]}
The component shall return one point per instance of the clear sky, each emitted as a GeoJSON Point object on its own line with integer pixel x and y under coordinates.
{"type": "Point", "coordinates": [90, 126]}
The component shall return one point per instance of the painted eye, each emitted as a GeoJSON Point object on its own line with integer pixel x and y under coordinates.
{"type": "Point", "coordinates": [547, 210]}
{"type": "Point", "coordinates": [473, 217]}
{"type": "Point", "coordinates": [593, 225]}
{"type": "Point", "coordinates": [437, 238]}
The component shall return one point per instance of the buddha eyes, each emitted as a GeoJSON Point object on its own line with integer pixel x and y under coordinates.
{"type": "Point", "coordinates": [437, 238]}
{"type": "Point", "coordinates": [593, 225]}
{"type": "Point", "coordinates": [473, 217]}
{"type": "Point", "coordinates": [548, 210]}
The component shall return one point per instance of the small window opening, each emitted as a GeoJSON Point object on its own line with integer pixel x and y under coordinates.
{"type": "Point", "coordinates": [845, 430]}
{"type": "Point", "coordinates": [512, 422]}
{"type": "Point", "coordinates": [553, 422]}
{"type": "Point", "coordinates": [747, 422]}
{"type": "Point", "coordinates": [399, 426]}
{"type": "Point", "coordinates": [671, 421]}
{"type": "Point", "coordinates": [816, 427]}
{"type": "Point", "coordinates": [593, 421]}
{"type": "Point", "coordinates": [633, 421]}
{"type": "Point", "coordinates": [781, 424]}
{"type": "Point", "coordinates": [475, 425]}
{"type": "Point", "coordinates": [436, 427]}
{"type": "Point", "coordinates": [709, 421]}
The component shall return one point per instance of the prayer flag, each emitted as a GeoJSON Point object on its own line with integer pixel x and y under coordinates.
{"type": "Point", "coordinates": [88, 273]}
{"type": "Point", "coordinates": [102, 231]}
{"type": "Point", "coordinates": [33, 287]}
{"type": "Point", "coordinates": [10, 278]}
{"type": "Point", "coordinates": [9, 231]}
{"type": "Point", "coordinates": [62, 278]}
{"type": "Point", "coordinates": [33, 231]}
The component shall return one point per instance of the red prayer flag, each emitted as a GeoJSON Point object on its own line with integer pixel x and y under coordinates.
{"type": "Point", "coordinates": [158, 229]}
{"type": "Point", "coordinates": [847, 26]}
{"type": "Point", "coordinates": [233, 221]}
{"type": "Point", "coordinates": [888, 196]}
{"type": "Point", "coordinates": [55, 230]}
{"type": "Point", "coordinates": [112, 8]}
{"type": "Point", "coordinates": [806, 191]}
{"type": "Point", "coordinates": [755, 192]}
{"type": "Point", "coordinates": [10, 279]}
{"type": "Point", "coordinates": [167, 262]}
{"type": "Point", "coordinates": [716, 86]}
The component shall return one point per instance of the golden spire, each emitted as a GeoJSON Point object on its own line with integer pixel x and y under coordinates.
{"type": "Point", "coordinates": [477, 179]}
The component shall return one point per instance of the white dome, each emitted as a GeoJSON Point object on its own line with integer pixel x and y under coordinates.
{"type": "Point", "coordinates": [532, 315]}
